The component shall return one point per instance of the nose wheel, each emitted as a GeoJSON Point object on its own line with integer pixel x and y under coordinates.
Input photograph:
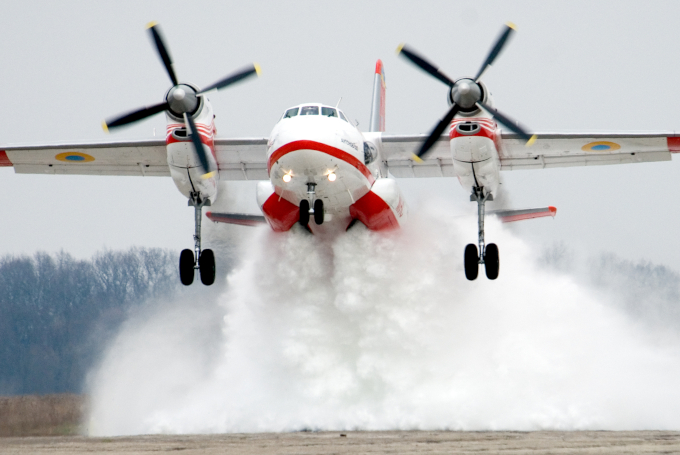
{"type": "Point", "coordinates": [489, 256]}
{"type": "Point", "coordinates": [201, 260]}
{"type": "Point", "coordinates": [307, 210]}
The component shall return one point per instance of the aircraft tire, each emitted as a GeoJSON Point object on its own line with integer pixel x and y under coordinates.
{"type": "Point", "coordinates": [186, 267]}
{"type": "Point", "coordinates": [318, 211]}
{"type": "Point", "coordinates": [206, 264]}
{"type": "Point", "coordinates": [304, 212]}
{"type": "Point", "coordinates": [491, 261]}
{"type": "Point", "coordinates": [471, 259]}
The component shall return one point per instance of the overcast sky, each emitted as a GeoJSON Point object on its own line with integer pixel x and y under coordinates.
{"type": "Point", "coordinates": [572, 66]}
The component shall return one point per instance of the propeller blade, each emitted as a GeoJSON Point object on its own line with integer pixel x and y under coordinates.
{"type": "Point", "coordinates": [198, 146]}
{"type": "Point", "coordinates": [162, 50]}
{"type": "Point", "coordinates": [239, 75]}
{"type": "Point", "coordinates": [509, 123]}
{"type": "Point", "coordinates": [135, 116]}
{"type": "Point", "coordinates": [424, 65]}
{"type": "Point", "coordinates": [498, 47]}
{"type": "Point", "coordinates": [436, 133]}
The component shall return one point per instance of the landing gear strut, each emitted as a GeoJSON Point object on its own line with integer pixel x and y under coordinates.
{"type": "Point", "coordinates": [203, 261]}
{"type": "Point", "coordinates": [311, 206]}
{"type": "Point", "coordinates": [488, 254]}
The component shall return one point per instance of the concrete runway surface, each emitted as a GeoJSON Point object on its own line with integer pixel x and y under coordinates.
{"type": "Point", "coordinates": [378, 442]}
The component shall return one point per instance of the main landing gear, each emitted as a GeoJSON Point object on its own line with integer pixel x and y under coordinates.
{"type": "Point", "coordinates": [307, 208]}
{"type": "Point", "coordinates": [489, 253]}
{"type": "Point", "coordinates": [203, 261]}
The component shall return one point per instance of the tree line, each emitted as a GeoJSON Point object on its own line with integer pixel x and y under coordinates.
{"type": "Point", "coordinates": [57, 312]}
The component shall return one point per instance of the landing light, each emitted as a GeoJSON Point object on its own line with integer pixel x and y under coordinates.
{"type": "Point", "coordinates": [287, 177]}
{"type": "Point", "coordinates": [332, 177]}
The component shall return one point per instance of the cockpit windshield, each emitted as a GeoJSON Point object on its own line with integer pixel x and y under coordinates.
{"type": "Point", "coordinates": [291, 112]}
{"type": "Point", "coordinates": [329, 112]}
{"type": "Point", "coordinates": [310, 110]}
{"type": "Point", "coordinates": [325, 111]}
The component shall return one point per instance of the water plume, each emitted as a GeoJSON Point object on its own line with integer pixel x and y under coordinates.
{"type": "Point", "coordinates": [382, 331]}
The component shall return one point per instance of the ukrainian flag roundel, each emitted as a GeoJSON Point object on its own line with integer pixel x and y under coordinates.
{"type": "Point", "coordinates": [601, 146]}
{"type": "Point", "coordinates": [74, 157]}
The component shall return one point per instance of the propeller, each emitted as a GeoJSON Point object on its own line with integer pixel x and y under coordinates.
{"type": "Point", "coordinates": [182, 100]}
{"type": "Point", "coordinates": [466, 95]}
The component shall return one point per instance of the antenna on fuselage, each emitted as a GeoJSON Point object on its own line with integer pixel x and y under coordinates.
{"type": "Point", "coordinates": [338, 104]}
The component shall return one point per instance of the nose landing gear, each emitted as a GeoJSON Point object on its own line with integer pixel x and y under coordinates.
{"type": "Point", "coordinates": [489, 253]}
{"type": "Point", "coordinates": [203, 261]}
{"type": "Point", "coordinates": [311, 206]}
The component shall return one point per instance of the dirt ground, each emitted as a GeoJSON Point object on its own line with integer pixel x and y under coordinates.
{"type": "Point", "coordinates": [385, 442]}
{"type": "Point", "coordinates": [41, 415]}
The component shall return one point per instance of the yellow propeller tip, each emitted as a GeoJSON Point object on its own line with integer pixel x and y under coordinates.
{"type": "Point", "coordinates": [531, 140]}
{"type": "Point", "coordinates": [258, 70]}
{"type": "Point", "coordinates": [208, 175]}
{"type": "Point", "coordinates": [105, 127]}
{"type": "Point", "coordinates": [416, 158]}
{"type": "Point", "coordinates": [511, 25]}
{"type": "Point", "coordinates": [399, 48]}
{"type": "Point", "coordinates": [151, 24]}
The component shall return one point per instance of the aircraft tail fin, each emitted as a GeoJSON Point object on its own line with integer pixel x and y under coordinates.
{"type": "Point", "coordinates": [377, 122]}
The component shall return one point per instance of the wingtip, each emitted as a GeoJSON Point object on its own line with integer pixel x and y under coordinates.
{"type": "Point", "coordinates": [553, 211]}
{"type": "Point", "coordinates": [511, 25]}
{"type": "Point", "coordinates": [258, 70]}
{"type": "Point", "coordinates": [105, 127]}
{"type": "Point", "coordinates": [151, 24]}
{"type": "Point", "coordinates": [399, 48]}
{"type": "Point", "coordinates": [416, 158]}
{"type": "Point", "coordinates": [531, 140]}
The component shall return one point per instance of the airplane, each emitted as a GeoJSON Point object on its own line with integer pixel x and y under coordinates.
{"type": "Point", "coordinates": [316, 168]}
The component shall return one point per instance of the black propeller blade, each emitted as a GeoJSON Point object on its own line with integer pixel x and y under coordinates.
{"type": "Point", "coordinates": [185, 100]}
{"type": "Point", "coordinates": [509, 123]}
{"type": "Point", "coordinates": [135, 115]}
{"type": "Point", "coordinates": [496, 50]}
{"type": "Point", "coordinates": [229, 80]}
{"type": "Point", "coordinates": [162, 51]}
{"type": "Point", "coordinates": [198, 146]}
{"type": "Point", "coordinates": [436, 132]}
{"type": "Point", "coordinates": [466, 94]}
{"type": "Point", "coordinates": [423, 64]}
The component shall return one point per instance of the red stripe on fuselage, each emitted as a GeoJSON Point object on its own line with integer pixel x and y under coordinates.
{"type": "Point", "coordinates": [4, 159]}
{"type": "Point", "coordinates": [323, 148]}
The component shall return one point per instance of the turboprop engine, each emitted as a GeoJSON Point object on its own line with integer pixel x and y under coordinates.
{"type": "Point", "coordinates": [193, 171]}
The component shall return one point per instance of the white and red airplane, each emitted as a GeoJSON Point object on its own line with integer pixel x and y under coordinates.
{"type": "Point", "coordinates": [317, 169]}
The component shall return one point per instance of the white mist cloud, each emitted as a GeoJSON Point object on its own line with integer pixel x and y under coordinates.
{"type": "Point", "coordinates": [383, 331]}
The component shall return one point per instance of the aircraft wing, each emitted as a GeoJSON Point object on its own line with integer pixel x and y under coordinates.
{"type": "Point", "coordinates": [242, 159]}
{"type": "Point", "coordinates": [549, 150]}
{"type": "Point", "coordinates": [398, 153]}
{"type": "Point", "coordinates": [98, 158]}
{"type": "Point", "coordinates": [586, 149]}
{"type": "Point", "coordinates": [237, 159]}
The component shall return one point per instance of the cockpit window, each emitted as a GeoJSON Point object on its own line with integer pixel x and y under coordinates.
{"type": "Point", "coordinates": [342, 116]}
{"type": "Point", "coordinates": [310, 110]}
{"type": "Point", "coordinates": [329, 112]}
{"type": "Point", "coordinates": [291, 112]}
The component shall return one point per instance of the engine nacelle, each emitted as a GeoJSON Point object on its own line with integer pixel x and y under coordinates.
{"type": "Point", "coordinates": [185, 165]}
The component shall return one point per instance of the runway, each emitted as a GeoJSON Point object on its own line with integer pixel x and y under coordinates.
{"type": "Point", "coordinates": [392, 442]}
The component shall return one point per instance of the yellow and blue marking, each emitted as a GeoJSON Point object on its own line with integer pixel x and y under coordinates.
{"type": "Point", "coordinates": [601, 146]}
{"type": "Point", "coordinates": [74, 157]}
